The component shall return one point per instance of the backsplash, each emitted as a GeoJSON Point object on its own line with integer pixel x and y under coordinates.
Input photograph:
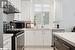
{"type": "Point", "coordinates": [8, 17]}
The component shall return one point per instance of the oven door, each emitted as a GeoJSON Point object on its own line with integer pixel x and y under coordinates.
{"type": "Point", "coordinates": [20, 42]}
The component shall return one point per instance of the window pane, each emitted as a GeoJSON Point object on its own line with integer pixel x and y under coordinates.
{"type": "Point", "coordinates": [37, 7]}
{"type": "Point", "coordinates": [46, 18]}
{"type": "Point", "coordinates": [45, 7]}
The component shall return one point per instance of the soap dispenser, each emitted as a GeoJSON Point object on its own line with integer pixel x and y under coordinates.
{"type": "Point", "coordinates": [57, 25]}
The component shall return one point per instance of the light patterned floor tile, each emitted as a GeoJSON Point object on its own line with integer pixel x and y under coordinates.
{"type": "Point", "coordinates": [38, 48]}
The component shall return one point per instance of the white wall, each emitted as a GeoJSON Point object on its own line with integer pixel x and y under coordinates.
{"type": "Point", "coordinates": [17, 5]}
{"type": "Point", "coordinates": [66, 14]}
{"type": "Point", "coordinates": [25, 10]}
{"type": "Point", "coordinates": [8, 17]}
{"type": "Point", "coordinates": [58, 13]}
{"type": "Point", "coordinates": [52, 13]}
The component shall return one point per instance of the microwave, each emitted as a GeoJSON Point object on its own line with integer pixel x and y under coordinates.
{"type": "Point", "coordinates": [19, 24]}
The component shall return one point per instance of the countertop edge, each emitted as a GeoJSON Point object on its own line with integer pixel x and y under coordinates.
{"type": "Point", "coordinates": [66, 40]}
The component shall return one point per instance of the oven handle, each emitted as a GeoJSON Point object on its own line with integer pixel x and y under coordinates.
{"type": "Point", "coordinates": [20, 35]}
{"type": "Point", "coordinates": [16, 40]}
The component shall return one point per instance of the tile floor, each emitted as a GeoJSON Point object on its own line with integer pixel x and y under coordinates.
{"type": "Point", "coordinates": [38, 48]}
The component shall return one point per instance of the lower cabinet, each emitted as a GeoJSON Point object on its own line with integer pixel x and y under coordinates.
{"type": "Point", "coordinates": [38, 38]}
{"type": "Point", "coordinates": [60, 44]}
{"type": "Point", "coordinates": [7, 41]}
{"type": "Point", "coordinates": [33, 38]}
{"type": "Point", "coordinates": [47, 37]}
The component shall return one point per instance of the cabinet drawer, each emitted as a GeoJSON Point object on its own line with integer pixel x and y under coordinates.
{"type": "Point", "coordinates": [6, 45]}
{"type": "Point", "coordinates": [59, 45]}
{"type": "Point", "coordinates": [65, 47]}
{"type": "Point", "coordinates": [62, 47]}
{"type": "Point", "coordinates": [7, 41]}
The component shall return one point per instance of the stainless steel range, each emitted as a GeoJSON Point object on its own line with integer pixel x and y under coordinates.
{"type": "Point", "coordinates": [17, 38]}
{"type": "Point", "coordinates": [19, 41]}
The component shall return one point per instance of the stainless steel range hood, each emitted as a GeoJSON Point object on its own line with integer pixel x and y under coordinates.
{"type": "Point", "coordinates": [9, 8]}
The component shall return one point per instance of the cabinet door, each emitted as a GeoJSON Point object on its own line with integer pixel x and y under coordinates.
{"type": "Point", "coordinates": [47, 36]}
{"type": "Point", "coordinates": [33, 38]}
{"type": "Point", "coordinates": [29, 37]}
{"type": "Point", "coordinates": [7, 42]}
{"type": "Point", "coordinates": [65, 47]}
{"type": "Point", "coordinates": [61, 46]}
{"type": "Point", "coordinates": [38, 38]}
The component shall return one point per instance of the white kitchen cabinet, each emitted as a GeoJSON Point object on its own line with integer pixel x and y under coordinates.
{"type": "Point", "coordinates": [47, 37]}
{"type": "Point", "coordinates": [7, 41]}
{"type": "Point", "coordinates": [38, 37]}
{"type": "Point", "coordinates": [33, 38]}
{"type": "Point", "coordinates": [29, 37]}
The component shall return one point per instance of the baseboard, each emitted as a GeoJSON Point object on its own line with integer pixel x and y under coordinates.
{"type": "Point", "coordinates": [35, 46]}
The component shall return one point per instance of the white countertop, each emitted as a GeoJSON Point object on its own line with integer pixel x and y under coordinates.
{"type": "Point", "coordinates": [41, 29]}
{"type": "Point", "coordinates": [69, 37]}
{"type": "Point", "coordinates": [6, 36]}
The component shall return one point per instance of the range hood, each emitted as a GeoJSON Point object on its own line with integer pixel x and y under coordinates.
{"type": "Point", "coordinates": [9, 9]}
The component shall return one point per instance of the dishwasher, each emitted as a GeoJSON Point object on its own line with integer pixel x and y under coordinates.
{"type": "Point", "coordinates": [19, 42]}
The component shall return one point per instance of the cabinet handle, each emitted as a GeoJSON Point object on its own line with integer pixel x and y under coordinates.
{"type": "Point", "coordinates": [66, 46]}
{"type": "Point", "coordinates": [56, 39]}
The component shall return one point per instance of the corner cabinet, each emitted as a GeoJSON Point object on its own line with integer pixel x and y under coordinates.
{"type": "Point", "coordinates": [60, 44]}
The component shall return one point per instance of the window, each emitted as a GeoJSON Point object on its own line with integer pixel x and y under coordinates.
{"type": "Point", "coordinates": [41, 13]}
{"type": "Point", "coordinates": [41, 7]}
